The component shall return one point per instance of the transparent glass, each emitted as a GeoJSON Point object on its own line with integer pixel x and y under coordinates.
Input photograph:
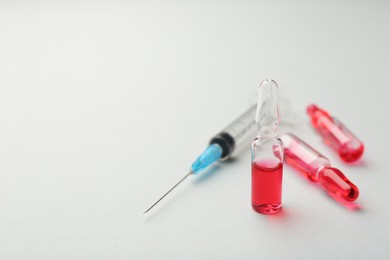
{"type": "Point", "coordinates": [335, 134]}
{"type": "Point", "coordinates": [267, 112]}
{"type": "Point", "coordinates": [303, 157]}
{"type": "Point", "coordinates": [267, 152]}
{"type": "Point", "coordinates": [317, 168]}
{"type": "Point", "coordinates": [267, 174]}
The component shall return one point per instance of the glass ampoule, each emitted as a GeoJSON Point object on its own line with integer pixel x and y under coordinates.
{"type": "Point", "coordinates": [267, 153]}
{"type": "Point", "coordinates": [336, 134]}
{"type": "Point", "coordinates": [317, 168]}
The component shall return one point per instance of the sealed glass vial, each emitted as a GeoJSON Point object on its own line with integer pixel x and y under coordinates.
{"type": "Point", "coordinates": [317, 168]}
{"type": "Point", "coordinates": [336, 135]}
{"type": "Point", "coordinates": [267, 153]}
{"type": "Point", "coordinates": [267, 175]}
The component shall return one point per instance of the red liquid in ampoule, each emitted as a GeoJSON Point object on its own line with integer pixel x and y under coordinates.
{"type": "Point", "coordinates": [348, 146]}
{"type": "Point", "coordinates": [317, 168]}
{"type": "Point", "coordinates": [334, 181]}
{"type": "Point", "coordinates": [267, 187]}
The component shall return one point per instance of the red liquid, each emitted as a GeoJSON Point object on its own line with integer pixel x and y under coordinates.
{"type": "Point", "coordinates": [303, 157]}
{"type": "Point", "coordinates": [308, 161]}
{"type": "Point", "coordinates": [334, 181]}
{"type": "Point", "coordinates": [336, 134]}
{"type": "Point", "coordinates": [267, 187]}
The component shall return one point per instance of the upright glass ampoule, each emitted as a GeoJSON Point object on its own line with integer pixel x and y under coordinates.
{"type": "Point", "coordinates": [267, 153]}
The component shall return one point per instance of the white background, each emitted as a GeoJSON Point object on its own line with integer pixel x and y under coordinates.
{"type": "Point", "coordinates": [104, 105]}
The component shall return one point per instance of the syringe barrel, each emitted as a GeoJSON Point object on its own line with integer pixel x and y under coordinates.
{"type": "Point", "coordinates": [240, 131]}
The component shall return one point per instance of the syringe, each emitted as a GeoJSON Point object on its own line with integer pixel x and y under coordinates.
{"type": "Point", "coordinates": [222, 145]}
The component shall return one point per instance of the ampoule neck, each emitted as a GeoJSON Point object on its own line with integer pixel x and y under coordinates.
{"type": "Point", "coordinates": [320, 164]}
{"type": "Point", "coordinates": [268, 132]}
{"type": "Point", "coordinates": [263, 137]}
{"type": "Point", "coordinates": [267, 136]}
{"type": "Point", "coordinates": [321, 167]}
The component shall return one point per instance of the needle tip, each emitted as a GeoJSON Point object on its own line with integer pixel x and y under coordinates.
{"type": "Point", "coordinates": [191, 172]}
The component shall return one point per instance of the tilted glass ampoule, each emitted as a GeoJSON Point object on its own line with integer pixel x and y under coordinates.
{"type": "Point", "coordinates": [267, 153]}
{"type": "Point", "coordinates": [336, 134]}
{"type": "Point", "coordinates": [317, 168]}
